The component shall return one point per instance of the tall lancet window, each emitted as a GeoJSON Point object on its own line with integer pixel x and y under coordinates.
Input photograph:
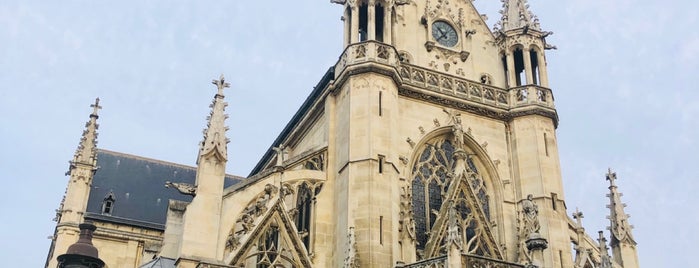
{"type": "Point", "coordinates": [304, 205]}
{"type": "Point", "coordinates": [363, 22]}
{"type": "Point", "coordinates": [108, 204]}
{"type": "Point", "coordinates": [432, 176]}
{"type": "Point", "coordinates": [379, 16]}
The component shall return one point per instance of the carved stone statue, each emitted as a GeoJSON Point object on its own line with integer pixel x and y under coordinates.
{"type": "Point", "coordinates": [281, 151]}
{"type": "Point", "coordinates": [183, 188]}
{"type": "Point", "coordinates": [456, 128]}
{"type": "Point", "coordinates": [453, 234]}
{"type": "Point", "coordinates": [530, 212]}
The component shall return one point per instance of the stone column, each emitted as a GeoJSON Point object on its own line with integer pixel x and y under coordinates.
{"type": "Point", "coordinates": [511, 72]}
{"type": "Point", "coordinates": [528, 66]}
{"type": "Point", "coordinates": [371, 21]}
{"type": "Point", "coordinates": [387, 25]}
{"type": "Point", "coordinates": [543, 75]}
{"type": "Point", "coordinates": [354, 28]}
{"type": "Point", "coordinates": [346, 19]}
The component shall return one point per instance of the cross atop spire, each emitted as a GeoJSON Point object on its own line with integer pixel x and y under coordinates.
{"type": "Point", "coordinates": [516, 15]}
{"type": "Point", "coordinates": [96, 107]}
{"type": "Point", "coordinates": [611, 177]}
{"type": "Point", "coordinates": [221, 84]}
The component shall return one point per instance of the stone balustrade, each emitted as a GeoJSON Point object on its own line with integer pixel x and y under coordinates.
{"type": "Point", "coordinates": [439, 262]}
{"type": "Point", "coordinates": [467, 260]}
{"type": "Point", "coordinates": [367, 51]}
{"type": "Point", "coordinates": [445, 84]}
{"type": "Point", "coordinates": [475, 261]}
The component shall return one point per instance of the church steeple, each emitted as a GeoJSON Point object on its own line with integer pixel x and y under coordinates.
{"type": "Point", "coordinates": [215, 141]}
{"type": "Point", "coordinates": [622, 241]}
{"type": "Point", "coordinates": [516, 15]}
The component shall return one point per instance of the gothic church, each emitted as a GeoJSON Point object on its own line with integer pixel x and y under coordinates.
{"type": "Point", "coordinates": [430, 143]}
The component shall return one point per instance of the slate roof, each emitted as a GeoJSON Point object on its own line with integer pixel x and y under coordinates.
{"type": "Point", "coordinates": [138, 184]}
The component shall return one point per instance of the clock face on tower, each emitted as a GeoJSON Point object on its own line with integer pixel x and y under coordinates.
{"type": "Point", "coordinates": [444, 34]}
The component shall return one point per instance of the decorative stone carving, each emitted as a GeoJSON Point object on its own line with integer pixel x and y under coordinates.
{"type": "Point", "coordinates": [183, 188]}
{"type": "Point", "coordinates": [316, 162]}
{"type": "Point", "coordinates": [453, 232]}
{"type": "Point", "coordinates": [281, 154]}
{"type": "Point", "coordinates": [442, 9]}
{"type": "Point", "coordinates": [351, 254]}
{"type": "Point", "coordinates": [406, 222]}
{"type": "Point", "coordinates": [246, 221]}
{"type": "Point", "coordinates": [411, 142]}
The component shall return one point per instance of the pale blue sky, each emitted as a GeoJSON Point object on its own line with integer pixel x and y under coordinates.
{"type": "Point", "coordinates": [624, 79]}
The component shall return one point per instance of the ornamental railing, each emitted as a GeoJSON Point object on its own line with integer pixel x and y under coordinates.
{"type": "Point", "coordinates": [467, 260]}
{"type": "Point", "coordinates": [439, 262]}
{"type": "Point", "coordinates": [446, 84]}
{"type": "Point", "coordinates": [368, 51]}
{"type": "Point", "coordinates": [474, 261]}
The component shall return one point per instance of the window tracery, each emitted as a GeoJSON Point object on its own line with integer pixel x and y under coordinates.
{"type": "Point", "coordinates": [433, 173]}
{"type": "Point", "coordinates": [267, 247]}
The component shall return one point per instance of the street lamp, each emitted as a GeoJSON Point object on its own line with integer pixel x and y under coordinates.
{"type": "Point", "coordinates": [82, 254]}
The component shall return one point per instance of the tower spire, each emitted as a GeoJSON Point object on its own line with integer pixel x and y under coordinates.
{"type": "Point", "coordinates": [516, 15]}
{"type": "Point", "coordinates": [215, 141]}
{"type": "Point", "coordinates": [86, 153]}
{"type": "Point", "coordinates": [622, 241]}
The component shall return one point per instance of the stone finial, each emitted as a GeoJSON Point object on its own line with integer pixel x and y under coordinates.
{"type": "Point", "coordinates": [86, 153]}
{"type": "Point", "coordinates": [221, 84]}
{"type": "Point", "coordinates": [215, 142]}
{"type": "Point", "coordinates": [611, 177]}
{"type": "Point", "coordinates": [578, 216]}
{"type": "Point", "coordinates": [605, 259]}
{"type": "Point", "coordinates": [619, 220]}
{"type": "Point", "coordinates": [96, 107]}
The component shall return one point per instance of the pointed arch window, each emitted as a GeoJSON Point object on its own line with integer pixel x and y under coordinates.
{"type": "Point", "coordinates": [304, 207]}
{"type": "Point", "coordinates": [108, 204]}
{"type": "Point", "coordinates": [432, 177]}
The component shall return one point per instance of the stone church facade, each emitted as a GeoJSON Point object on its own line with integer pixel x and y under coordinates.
{"type": "Point", "coordinates": [431, 143]}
